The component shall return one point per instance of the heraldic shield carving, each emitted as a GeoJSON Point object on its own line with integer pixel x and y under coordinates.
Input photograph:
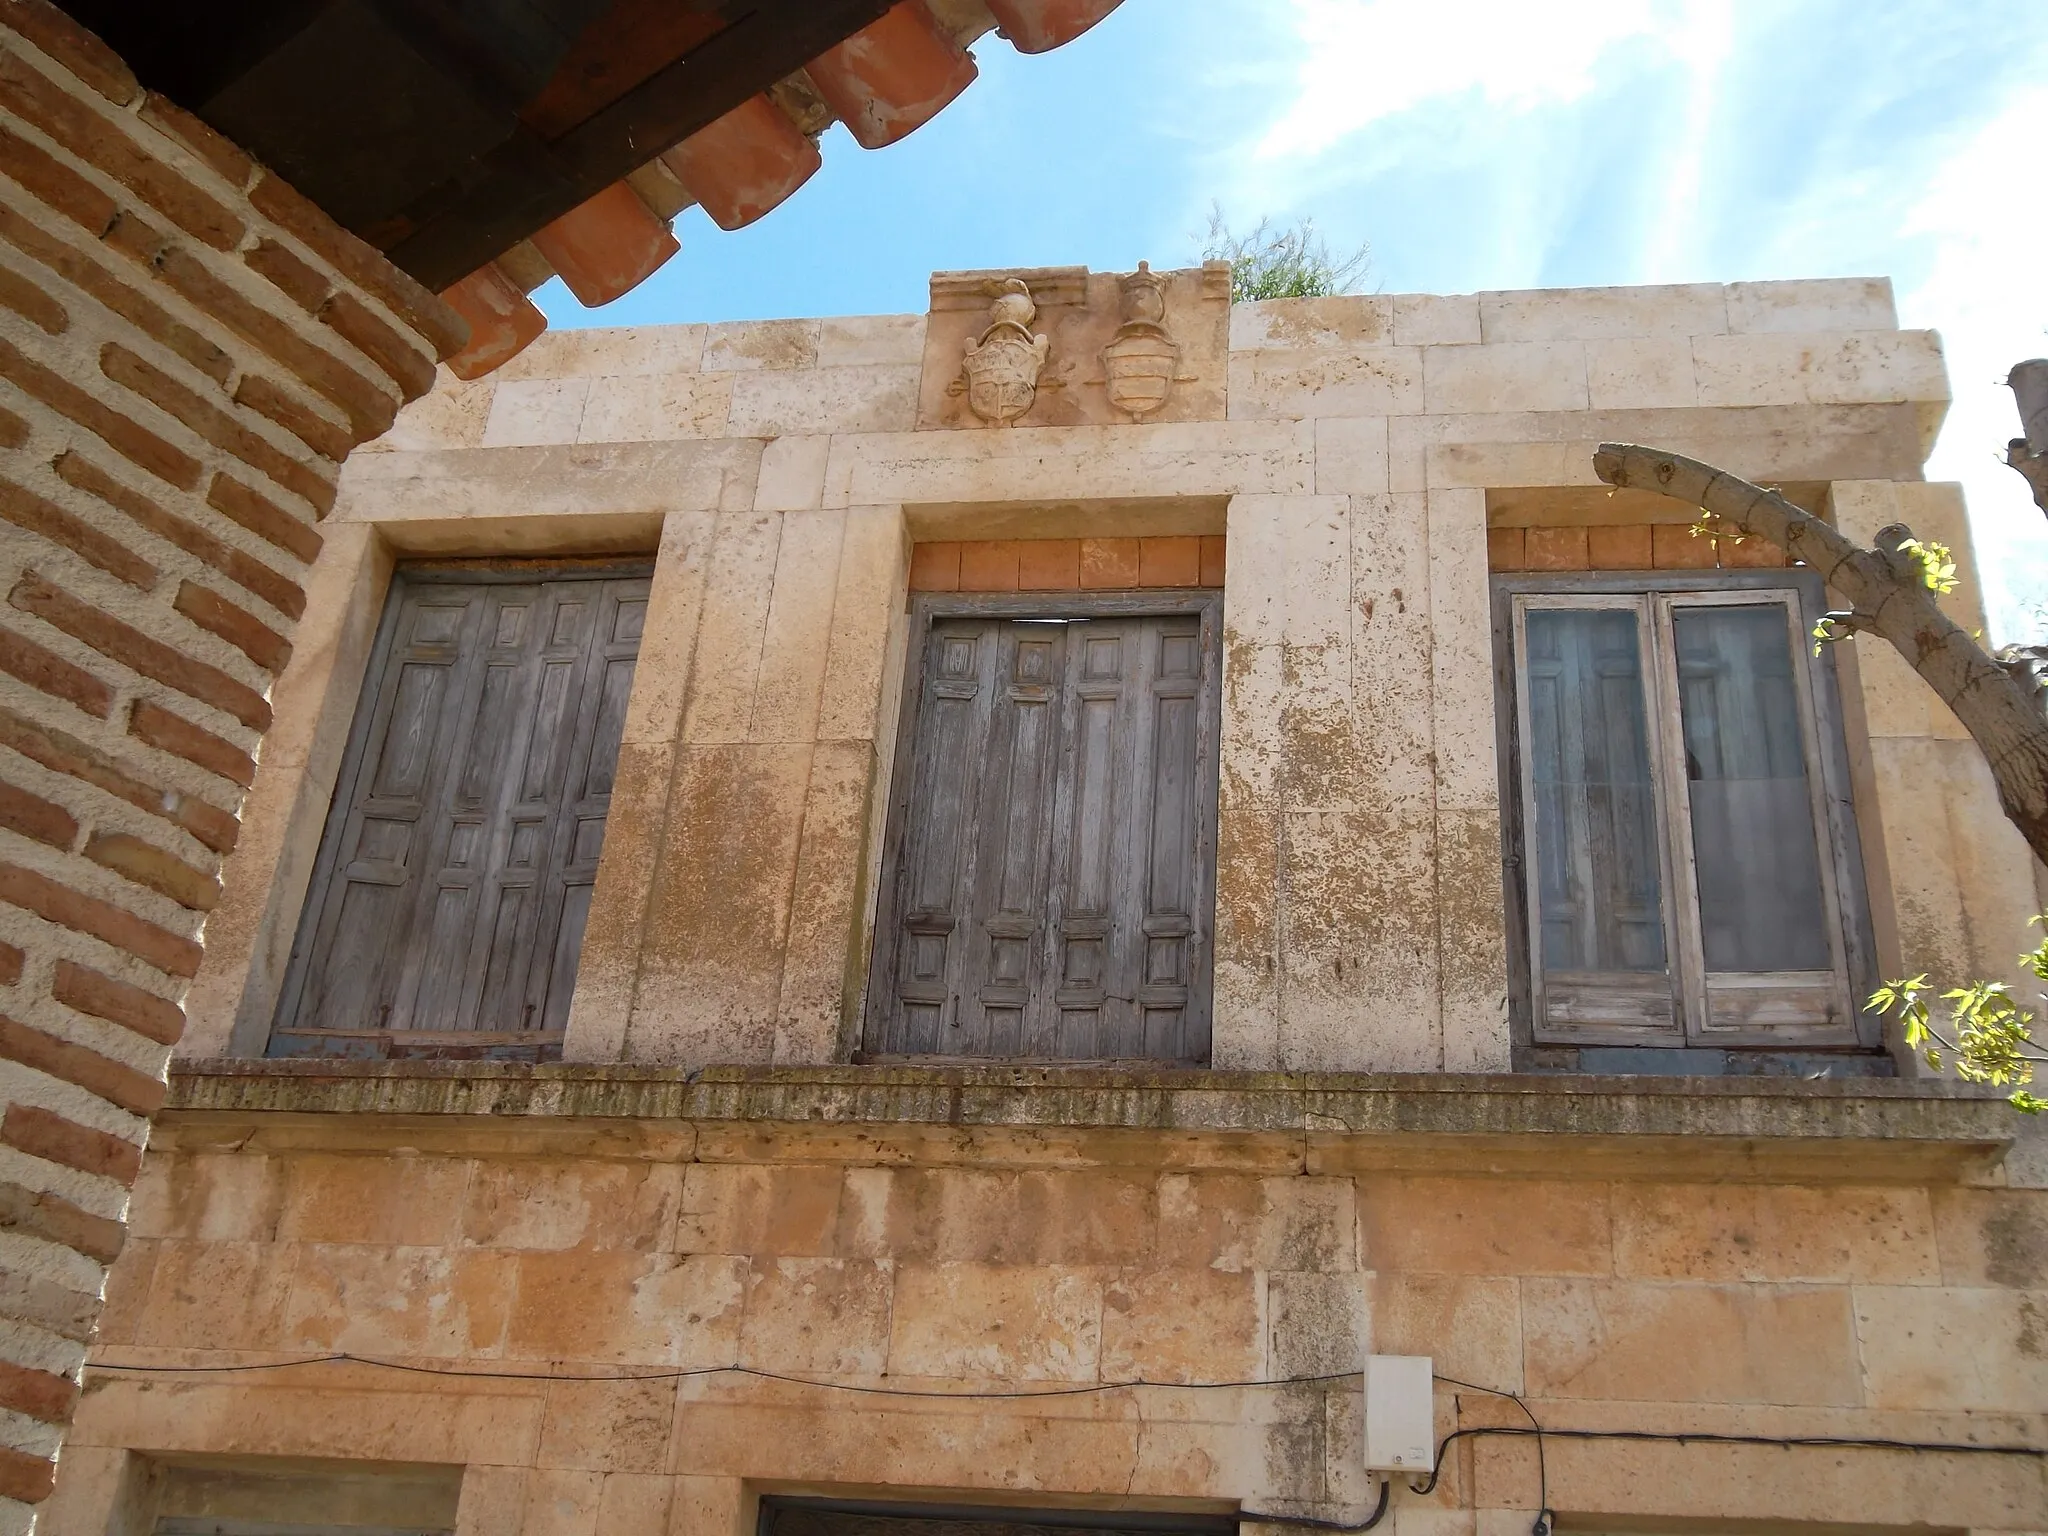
{"type": "Point", "coordinates": [1001, 367]}
{"type": "Point", "coordinates": [1141, 362]}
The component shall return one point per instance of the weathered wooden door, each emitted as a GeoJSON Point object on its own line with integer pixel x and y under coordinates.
{"type": "Point", "coordinates": [448, 903]}
{"type": "Point", "coordinates": [1049, 892]}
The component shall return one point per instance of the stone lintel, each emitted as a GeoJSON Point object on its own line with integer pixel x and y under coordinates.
{"type": "Point", "coordinates": [1621, 1127]}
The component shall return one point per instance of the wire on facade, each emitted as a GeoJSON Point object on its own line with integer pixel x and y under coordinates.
{"type": "Point", "coordinates": [1545, 1517]}
{"type": "Point", "coordinates": [1675, 1437]}
{"type": "Point", "coordinates": [1536, 1430]}
{"type": "Point", "coordinates": [1310, 1523]}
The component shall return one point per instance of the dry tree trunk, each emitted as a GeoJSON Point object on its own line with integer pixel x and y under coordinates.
{"type": "Point", "coordinates": [2029, 454]}
{"type": "Point", "coordinates": [1886, 595]}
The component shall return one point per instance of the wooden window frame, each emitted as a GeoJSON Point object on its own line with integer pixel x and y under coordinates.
{"type": "Point", "coordinates": [1651, 595]}
{"type": "Point", "coordinates": [406, 574]}
{"type": "Point", "coordinates": [926, 608]}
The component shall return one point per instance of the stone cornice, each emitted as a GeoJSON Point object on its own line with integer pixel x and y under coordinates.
{"type": "Point", "coordinates": [1760, 1128]}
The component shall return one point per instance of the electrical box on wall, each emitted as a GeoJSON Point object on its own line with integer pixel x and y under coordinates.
{"type": "Point", "coordinates": [1400, 1413]}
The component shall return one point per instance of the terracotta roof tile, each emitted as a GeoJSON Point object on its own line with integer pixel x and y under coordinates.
{"type": "Point", "coordinates": [884, 82]}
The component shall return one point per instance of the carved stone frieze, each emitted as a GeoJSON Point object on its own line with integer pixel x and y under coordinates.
{"type": "Point", "coordinates": [1142, 346]}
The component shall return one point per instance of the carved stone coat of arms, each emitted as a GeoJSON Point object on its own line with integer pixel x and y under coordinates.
{"type": "Point", "coordinates": [1002, 365]}
{"type": "Point", "coordinates": [1141, 362]}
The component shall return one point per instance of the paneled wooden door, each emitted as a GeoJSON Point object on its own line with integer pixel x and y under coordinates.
{"type": "Point", "coordinates": [448, 902]}
{"type": "Point", "coordinates": [1049, 889]}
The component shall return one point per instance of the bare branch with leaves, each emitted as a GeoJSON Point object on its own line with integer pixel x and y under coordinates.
{"type": "Point", "coordinates": [1892, 592]}
{"type": "Point", "coordinates": [2029, 453]}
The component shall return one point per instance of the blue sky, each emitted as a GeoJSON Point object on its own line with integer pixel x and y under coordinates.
{"type": "Point", "coordinates": [1476, 144]}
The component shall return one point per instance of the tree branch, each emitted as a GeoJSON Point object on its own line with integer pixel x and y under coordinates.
{"type": "Point", "coordinates": [1885, 589]}
{"type": "Point", "coordinates": [2033, 467]}
{"type": "Point", "coordinates": [2028, 453]}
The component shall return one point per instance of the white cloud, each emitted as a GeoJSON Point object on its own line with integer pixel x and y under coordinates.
{"type": "Point", "coordinates": [1986, 291]}
{"type": "Point", "coordinates": [1365, 60]}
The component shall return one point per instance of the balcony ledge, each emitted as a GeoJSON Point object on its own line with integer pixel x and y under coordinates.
{"type": "Point", "coordinates": [1842, 1130]}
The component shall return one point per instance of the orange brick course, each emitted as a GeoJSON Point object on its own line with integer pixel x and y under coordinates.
{"type": "Point", "coordinates": [1624, 547]}
{"type": "Point", "coordinates": [1067, 565]}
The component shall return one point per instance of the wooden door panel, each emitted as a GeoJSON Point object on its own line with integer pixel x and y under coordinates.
{"type": "Point", "coordinates": [1091, 884]}
{"type": "Point", "coordinates": [359, 933]}
{"type": "Point", "coordinates": [1007, 909]}
{"type": "Point", "coordinates": [1050, 867]}
{"type": "Point", "coordinates": [925, 901]}
{"type": "Point", "coordinates": [481, 783]}
{"type": "Point", "coordinates": [1167, 944]}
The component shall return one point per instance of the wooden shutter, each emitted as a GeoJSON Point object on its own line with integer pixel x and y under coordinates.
{"type": "Point", "coordinates": [1051, 877]}
{"type": "Point", "coordinates": [448, 903]}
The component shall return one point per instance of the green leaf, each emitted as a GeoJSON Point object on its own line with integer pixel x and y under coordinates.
{"type": "Point", "coordinates": [1935, 561]}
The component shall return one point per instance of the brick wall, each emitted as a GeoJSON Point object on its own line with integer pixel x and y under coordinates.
{"type": "Point", "coordinates": [1056, 565]}
{"type": "Point", "coordinates": [1625, 547]}
{"type": "Point", "coordinates": [188, 349]}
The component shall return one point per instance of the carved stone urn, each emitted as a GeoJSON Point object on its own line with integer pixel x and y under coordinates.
{"type": "Point", "coordinates": [1002, 365]}
{"type": "Point", "coordinates": [1141, 361]}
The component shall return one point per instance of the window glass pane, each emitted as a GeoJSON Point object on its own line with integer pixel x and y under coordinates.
{"type": "Point", "coordinates": [1599, 898]}
{"type": "Point", "coordinates": [1754, 849]}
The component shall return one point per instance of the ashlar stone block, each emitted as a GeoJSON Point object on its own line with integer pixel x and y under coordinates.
{"type": "Point", "coordinates": [583, 1203]}
{"type": "Point", "coordinates": [623, 408]}
{"type": "Point", "coordinates": [1351, 456]}
{"type": "Point", "coordinates": [751, 345]}
{"type": "Point", "coordinates": [1436, 320]}
{"type": "Point", "coordinates": [1771, 1233]}
{"type": "Point", "coordinates": [866, 341]}
{"type": "Point", "coordinates": [784, 402]}
{"type": "Point", "coordinates": [718, 921]}
{"type": "Point", "coordinates": [1485, 1226]}
{"type": "Point", "coordinates": [1592, 314]}
{"type": "Point", "coordinates": [1707, 1343]}
{"type": "Point", "coordinates": [1003, 1322]}
{"type": "Point", "coordinates": [622, 1307]}
{"type": "Point", "coordinates": [527, 412]}
{"type": "Point", "coordinates": [375, 1300]}
{"type": "Point", "coordinates": [362, 1199]}
{"type": "Point", "coordinates": [1951, 1347]}
{"type": "Point", "coordinates": [1813, 304]}
{"type": "Point", "coordinates": [607, 1426]}
{"type": "Point", "coordinates": [1319, 1324]}
{"type": "Point", "coordinates": [1641, 373]}
{"type": "Point", "coordinates": [1505, 376]}
{"type": "Point", "coordinates": [608, 350]}
{"type": "Point", "coordinates": [1184, 1325]}
{"type": "Point", "coordinates": [1289, 384]}
{"type": "Point", "coordinates": [1469, 1325]}
{"type": "Point", "coordinates": [792, 474]}
{"type": "Point", "coordinates": [1342, 320]}
{"type": "Point", "coordinates": [1995, 1237]}
{"type": "Point", "coordinates": [818, 1316]}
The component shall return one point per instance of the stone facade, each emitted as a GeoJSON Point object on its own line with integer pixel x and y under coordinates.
{"type": "Point", "coordinates": [714, 1178]}
{"type": "Point", "coordinates": [188, 350]}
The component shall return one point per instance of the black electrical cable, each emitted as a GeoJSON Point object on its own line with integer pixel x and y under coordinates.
{"type": "Point", "coordinates": [1545, 1516]}
{"type": "Point", "coordinates": [1309, 1523]}
{"type": "Point", "coordinates": [1093, 1388]}
{"type": "Point", "coordinates": [1711, 1437]}
{"type": "Point", "coordinates": [1537, 1431]}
